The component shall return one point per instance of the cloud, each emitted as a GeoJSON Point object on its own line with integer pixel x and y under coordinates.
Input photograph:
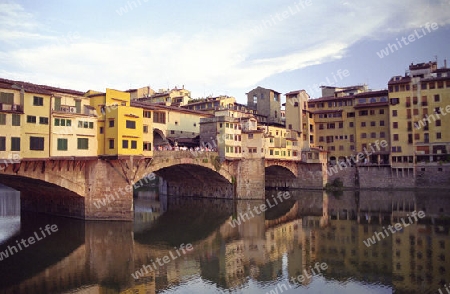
{"type": "Point", "coordinates": [237, 56]}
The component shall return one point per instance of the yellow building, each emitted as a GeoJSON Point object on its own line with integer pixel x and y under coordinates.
{"type": "Point", "coordinates": [334, 126]}
{"type": "Point", "coordinates": [281, 143]}
{"type": "Point", "coordinates": [73, 126]}
{"type": "Point", "coordinates": [120, 126]}
{"type": "Point", "coordinates": [28, 115]}
{"type": "Point", "coordinates": [421, 96]}
{"type": "Point", "coordinates": [11, 113]}
{"type": "Point", "coordinates": [298, 118]}
{"type": "Point", "coordinates": [351, 121]}
{"type": "Point", "coordinates": [372, 125]}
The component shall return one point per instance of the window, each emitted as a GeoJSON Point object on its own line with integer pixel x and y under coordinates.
{"type": "Point", "coordinates": [341, 147]}
{"type": "Point", "coordinates": [2, 118]}
{"type": "Point", "coordinates": [130, 124]}
{"type": "Point", "coordinates": [111, 143]}
{"type": "Point", "coordinates": [133, 144]}
{"type": "Point", "coordinates": [7, 98]}
{"type": "Point", "coordinates": [78, 106]}
{"type": "Point", "coordinates": [423, 86]}
{"type": "Point", "coordinates": [102, 130]}
{"type": "Point", "coordinates": [147, 146]}
{"type": "Point", "coordinates": [145, 129]}
{"type": "Point", "coordinates": [57, 122]}
{"type": "Point", "coordinates": [341, 125]}
{"type": "Point", "coordinates": [43, 120]}
{"type": "Point", "coordinates": [394, 101]}
{"type": "Point", "coordinates": [437, 98]}
{"type": "Point", "coordinates": [57, 101]}
{"type": "Point", "coordinates": [330, 126]}
{"type": "Point", "coordinates": [382, 135]}
{"type": "Point", "coordinates": [381, 123]}
{"type": "Point", "coordinates": [416, 137]}
{"type": "Point", "coordinates": [2, 143]}
{"type": "Point", "coordinates": [395, 125]}
{"type": "Point", "coordinates": [363, 124]}
{"type": "Point", "coordinates": [352, 138]}
{"type": "Point", "coordinates": [351, 114]}
{"type": "Point", "coordinates": [438, 136]}
{"type": "Point", "coordinates": [321, 139]}
{"type": "Point", "coordinates": [438, 123]}
{"type": "Point", "coordinates": [15, 144]}
{"type": "Point", "coordinates": [36, 143]}
{"type": "Point", "coordinates": [125, 144]}
{"type": "Point", "coordinates": [159, 117]}
{"type": "Point", "coordinates": [111, 123]}
{"type": "Point", "coordinates": [373, 135]}
{"type": "Point", "coordinates": [363, 135]}
{"type": "Point", "coordinates": [16, 120]}
{"type": "Point", "coordinates": [83, 143]}
{"type": "Point", "coordinates": [381, 111]}
{"type": "Point", "coordinates": [350, 124]}
{"type": "Point", "coordinates": [147, 114]}
{"type": "Point", "coordinates": [62, 144]}
{"type": "Point", "coordinates": [372, 112]}
{"type": "Point", "coordinates": [91, 125]}
{"type": "Point", "coordinates": [250, 136]}
{"type": "Point", "coordinates": [395, 137]}
{"type": "Point", "coordinates": [31, 119]}
{"type": "Point", "coordinates": [363, 112]}
{"type": "Point", "coordinates": [38, 101]}
{"type": "Point", "coordinates": [424, 101]}
{"type": "Point", "coordinates": [394, 112]}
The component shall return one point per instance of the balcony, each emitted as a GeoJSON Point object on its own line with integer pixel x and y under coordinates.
{"type": "Point", "coordinates": [11, 107]}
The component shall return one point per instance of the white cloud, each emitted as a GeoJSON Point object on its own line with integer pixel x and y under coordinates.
{"type": "Point", "coordinates": [236, 57]}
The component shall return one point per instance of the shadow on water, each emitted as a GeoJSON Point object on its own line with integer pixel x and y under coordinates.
{"type": "Point", "coordinates": [186, 220]}
{"type": "Point", "coordinates": [26, 263]}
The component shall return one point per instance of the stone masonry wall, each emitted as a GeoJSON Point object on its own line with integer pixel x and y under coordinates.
{"type": "Point", "coordinates": [250, 179]}
{"type": "Point", "coordinates": [384, 177]}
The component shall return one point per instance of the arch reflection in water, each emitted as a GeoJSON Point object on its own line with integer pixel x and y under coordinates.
{"type": "Point", "coordinates": [254, 257]}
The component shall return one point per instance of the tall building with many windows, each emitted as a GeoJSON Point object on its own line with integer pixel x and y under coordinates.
{"type": "Point", "coordinates": [419, 104]}
{"type": "Point", "coordinates": [350, 121]}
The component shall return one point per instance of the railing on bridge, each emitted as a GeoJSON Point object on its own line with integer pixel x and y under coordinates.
{"type": "Point", "coordinates": [176, 154]}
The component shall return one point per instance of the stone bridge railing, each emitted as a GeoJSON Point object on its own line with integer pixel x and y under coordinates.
{"type": "Point", "coordinates": [183, 154]}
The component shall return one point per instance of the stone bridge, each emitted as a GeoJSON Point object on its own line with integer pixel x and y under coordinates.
{"type": "Point", "coordinates": [102, 188]}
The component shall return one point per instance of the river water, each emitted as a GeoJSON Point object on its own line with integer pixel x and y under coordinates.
{"type": "Point", "coordinates": [306, 242]}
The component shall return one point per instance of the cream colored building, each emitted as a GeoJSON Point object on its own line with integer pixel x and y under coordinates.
{"type": "Point", "coordinates": [73, 126]}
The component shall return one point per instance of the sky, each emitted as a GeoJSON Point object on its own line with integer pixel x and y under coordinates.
{"type": "Point", "coordinates": [219, 47]}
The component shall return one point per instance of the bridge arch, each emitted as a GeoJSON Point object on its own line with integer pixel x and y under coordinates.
{"type": "Point", "coordinates": [46, 197]}
{"type": "Point", "coordinates": [280, 174]}
{"type": "Point", "coordinates": [162, 160]}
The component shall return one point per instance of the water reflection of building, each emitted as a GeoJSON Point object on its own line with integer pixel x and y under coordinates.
{"type": "Point", "coordinates": [421, 257]}
{"type": "Point", "coordinates": [262, 250]}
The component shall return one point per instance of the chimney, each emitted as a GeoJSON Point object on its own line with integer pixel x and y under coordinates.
{"type": "Point", "coordinates": [445, 63]}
